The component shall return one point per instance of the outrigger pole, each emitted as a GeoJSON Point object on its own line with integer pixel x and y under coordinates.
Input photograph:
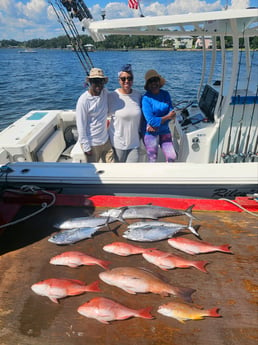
{"type": "Point", "coordinates": [75, 9]}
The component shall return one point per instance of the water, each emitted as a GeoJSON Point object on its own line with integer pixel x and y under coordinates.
{"type": "Point", "coordinates": [54, 79]}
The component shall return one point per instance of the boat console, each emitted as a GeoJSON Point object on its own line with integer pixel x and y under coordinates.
{"type": "Point", "coordinates": [194, 127]}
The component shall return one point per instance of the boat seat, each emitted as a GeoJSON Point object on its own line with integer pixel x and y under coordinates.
{"type": "Point", "coordinates": [52, 148]}
{"type": "Point", "coordinates": [77, 154]}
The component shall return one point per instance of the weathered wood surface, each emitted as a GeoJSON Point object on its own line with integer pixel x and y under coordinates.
{"type": "Point", "coordinates": [230, 284]}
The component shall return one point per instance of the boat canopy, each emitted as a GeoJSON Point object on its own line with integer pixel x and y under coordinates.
{"type": "Point", "coordinates": [241, 22]}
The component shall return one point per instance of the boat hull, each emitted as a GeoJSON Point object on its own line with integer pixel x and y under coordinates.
{"type": "Point", "coordinates": [179, 179]}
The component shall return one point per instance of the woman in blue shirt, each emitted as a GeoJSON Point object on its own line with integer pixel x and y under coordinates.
{"type": "Point", "coordinates": [158, 111]}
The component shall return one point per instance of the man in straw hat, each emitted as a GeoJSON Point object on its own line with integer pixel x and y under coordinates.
{"type": "Point", "coordinates": [158, 111]}
{"type": "Point", "coordinates": [91, 119]}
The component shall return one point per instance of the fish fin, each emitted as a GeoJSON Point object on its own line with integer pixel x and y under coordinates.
{"type": "Point", "coordinates": [163, 268]}
{"type": "Point", "coordinates": [145, 313]}
{"type": "Point", "coordinates": [214, 312]}
{"type": "Point", "coordinates": [76, 281]}
{"type": "Point", "coordinates": [104, 264]}
{"type": "Point", "coordinates": [107, 223]}
{"type": "Point", "coordinates": [93, 287]}
{"type": "Point", "coordinates": [102, 321]}
{"type": "Point", "coordinates": [53, 299]}
{"type": "Point", "coordinates": [164, 294]}
{"type": "Point", "coordinates": [129, 291]}
{"type": "Point", "coordinates": [200, 265]}
{"type": "Point", "coordinates": [185, 294]}
{"type": "Point", "coordinates": [181, 320]}
{"type": "Point", "coordinates": [225, 248]}
{"type": "Point", "coordinates": [73, 265]}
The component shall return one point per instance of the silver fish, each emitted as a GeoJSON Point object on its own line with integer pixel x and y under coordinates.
{"type": "Point", "coordinates": [151, 233]}
{"type": "Point", "coordinates": [73, 235]}
{"type": "Point", "coordinates": [146, 211]}
{"type": "Point", "coordinates": [84, 222]}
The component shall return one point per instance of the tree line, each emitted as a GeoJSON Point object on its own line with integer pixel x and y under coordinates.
{"type": "Point", "coordinates": [111, 42]}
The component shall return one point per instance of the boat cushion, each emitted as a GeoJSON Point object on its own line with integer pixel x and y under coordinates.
{"type": "Point", "coordinates": [77, 154]}
{"type": "Point", "coordinates": [52, 148]}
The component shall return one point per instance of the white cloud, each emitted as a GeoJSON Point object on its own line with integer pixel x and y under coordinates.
{"type": "Point", "coordinates": [239, 4]}
{"type": "Point", "coordinates": [182, 6]}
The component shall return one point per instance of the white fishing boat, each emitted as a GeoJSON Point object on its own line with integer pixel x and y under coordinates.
{"type": "Point", "coordinates": [27, 51]}
{"type": "Point", "coordinates": [215, 138]}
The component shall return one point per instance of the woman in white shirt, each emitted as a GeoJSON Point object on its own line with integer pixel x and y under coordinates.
{"type": "Point", "coordinates": [124, 108]}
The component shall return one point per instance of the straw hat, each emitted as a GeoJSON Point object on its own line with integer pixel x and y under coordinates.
{"type": "Point", "coordinates": [97, 73]}
{"type": "Point", "coordinates": [152, 73]}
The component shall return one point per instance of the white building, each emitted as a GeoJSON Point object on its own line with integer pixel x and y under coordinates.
{"type": "Point", "coordinates": [199, 43]}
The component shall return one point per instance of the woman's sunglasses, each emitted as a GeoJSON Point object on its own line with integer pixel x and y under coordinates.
{"type": "Point", "coordinates": [123, 79]}
{"type": "Point", "coordinates": [153, 80]}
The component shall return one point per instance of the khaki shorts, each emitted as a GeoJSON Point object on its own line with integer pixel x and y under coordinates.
{"type": "Point", "coordinates": [101, 153]}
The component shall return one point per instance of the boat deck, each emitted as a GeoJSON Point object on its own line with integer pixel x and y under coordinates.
{"type": "Point", "coordinates": [230, 284]}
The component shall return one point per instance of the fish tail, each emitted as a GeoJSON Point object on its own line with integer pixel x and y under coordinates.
{"type": "Point", "coordinates": [193, 230]}
{"type": "Point", "coordinates": [213, 312]}
{"type": "Point", "coordinates": [93, 287]}
{"type": "Point", "coordinates": [225, 248]}
{"type": "Point", "coordinates": [120, 216]}
{"type": "Point", "coordinates": [145, 313]}
{"type": "Point", "coordinates": [188, 212]}
{"type": "Point", "coordinates": [104, 264]}
{"type": "Point", "coordinates": [185, 294]}
{"type": "Point", "coordinates": [200, 265]}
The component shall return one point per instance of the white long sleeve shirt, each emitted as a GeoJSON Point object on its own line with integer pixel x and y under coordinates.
{"type": "Point", "coordinates": [91, 119]}
{"type": "Point", "coordinates": [125, 112]}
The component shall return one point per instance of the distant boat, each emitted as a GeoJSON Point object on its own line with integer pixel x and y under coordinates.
{"type": "Point", "coordinates": [89, 47]}
{"type": "Point", "coordinates": [27, 51]}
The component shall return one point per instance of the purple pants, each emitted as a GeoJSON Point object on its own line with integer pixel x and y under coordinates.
{"type": "Point", "coordinates": [152, 143]}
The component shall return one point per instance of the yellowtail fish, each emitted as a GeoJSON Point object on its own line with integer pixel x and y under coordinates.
{"type": "Point", "coordinates": [183, 311]}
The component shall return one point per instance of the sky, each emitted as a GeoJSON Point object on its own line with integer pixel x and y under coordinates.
{"type": "Point", "coordinates": [23, 20]}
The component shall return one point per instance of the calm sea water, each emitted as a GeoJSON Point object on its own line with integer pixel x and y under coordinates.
{"type": "Point", "coordinates": [54, 79]}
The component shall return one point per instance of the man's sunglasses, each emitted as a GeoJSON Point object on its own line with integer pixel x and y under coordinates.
{"type": "Point", "coordinates": [96, 80]}
{"type": "Point", "coordinates": [123, 79]}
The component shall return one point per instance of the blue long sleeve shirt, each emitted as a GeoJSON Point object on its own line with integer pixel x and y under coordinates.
{"type": "Point", "coordinates": [154, 107]}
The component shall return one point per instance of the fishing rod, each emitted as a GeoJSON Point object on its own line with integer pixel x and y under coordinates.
{"type": "Point", "coordinates": [254, 154]}
{"type": "Point", "coordinates": [250, 126]}
{"type": "Point", "coordinates": [76, 37]}
{"type": "Point", "coordinates": [67, 34]}
{"type": "Point", "coordinates": [228, 153]}
{"type": "Point", "coordinates": [243, 111]}
{"type": "Point", "coordinates": [223, 58]}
